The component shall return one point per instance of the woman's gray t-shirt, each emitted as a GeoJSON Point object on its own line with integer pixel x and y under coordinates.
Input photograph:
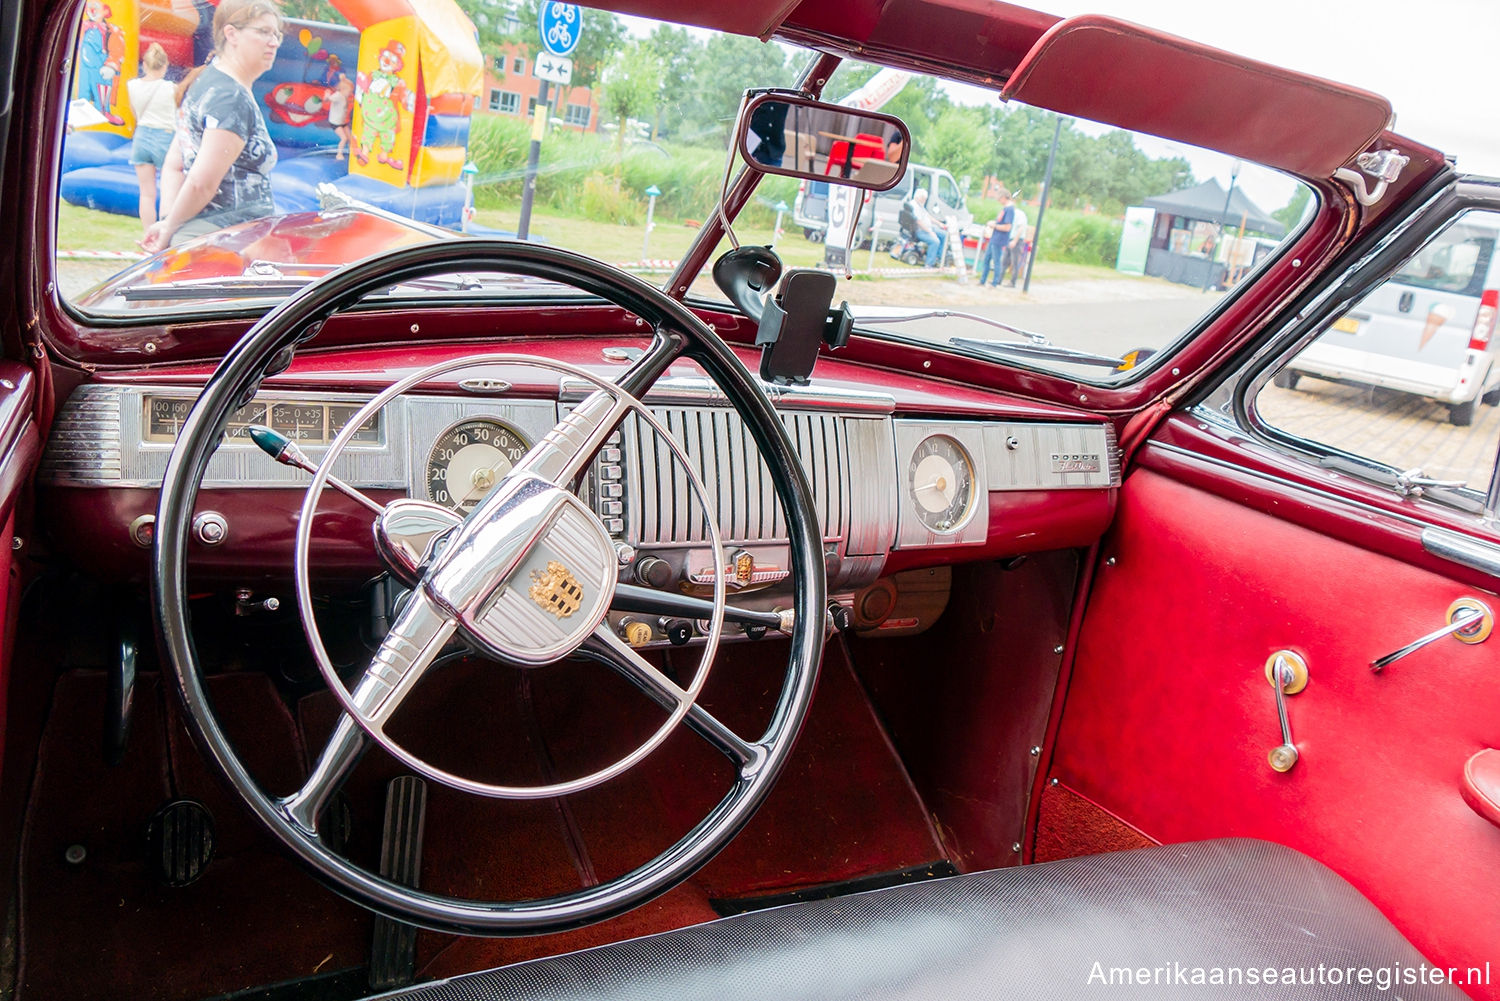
{"type": "Point", "coordinates": [217, 101]}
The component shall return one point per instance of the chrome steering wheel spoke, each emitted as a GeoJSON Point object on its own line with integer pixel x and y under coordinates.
{"type": "Point", "coordinates": [625, 660]}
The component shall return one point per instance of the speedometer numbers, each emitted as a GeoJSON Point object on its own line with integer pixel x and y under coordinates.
{"type": "Point", "coordinates": [940, 483]}
{"type": "Point", "coordinates": [468, 459]}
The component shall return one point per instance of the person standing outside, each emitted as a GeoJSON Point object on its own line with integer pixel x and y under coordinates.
{"type": "Point", "coordinates": [153, 99]}
{"type": "Point", "coordinates": [1018, 248]}
{"type": "Point", "coordinates": [927, 229]}
{"type": "Point", "coordinates": [218, 169]}
{"type": "Point", "coordinates": [999, 229]}
{"type": "Point", "coordinates": [339, 110]}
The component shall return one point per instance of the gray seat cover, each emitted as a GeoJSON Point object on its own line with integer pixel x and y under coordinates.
{"type": "Point", "coordinates": [1063, 930]}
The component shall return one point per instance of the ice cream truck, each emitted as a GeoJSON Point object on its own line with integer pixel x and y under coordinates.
{"type": "Point", "coordinates": [1427, 330]}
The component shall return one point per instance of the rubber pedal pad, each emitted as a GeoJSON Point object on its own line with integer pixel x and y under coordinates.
{"type": "Point", "coordinates": [393, 951]}
{"type": "Point", "coordinates": [180, 841]}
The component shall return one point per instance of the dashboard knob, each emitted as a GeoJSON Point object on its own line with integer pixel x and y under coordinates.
{"type": "Point", "coordinates": [679, 631]}
{"type": "Point", "coordinates": [843, 619]}
{"type": "Point", "coordinates": [210, 528]}
{"type": "Point", "coordinates": [636, 632]}
{"type": "Point", "coordinates": [654, 572]}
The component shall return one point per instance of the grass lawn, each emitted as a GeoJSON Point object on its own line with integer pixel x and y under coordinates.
{"type": "Point", "coordinates": [86, 229]}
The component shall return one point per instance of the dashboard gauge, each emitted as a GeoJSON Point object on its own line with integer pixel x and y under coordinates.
{"type": "Point", "coordinates": [468, 459]}
{"type": "Point", "coordinates": [164, 417]}
{"type": "Point", "coordinates": [299, 421]}
{"type": "Point", "coordinates": [239, 422]}
{"type": "Point", "coordinates": [940, 483]}
{"type": "Point", "coordinates": [339, 416]}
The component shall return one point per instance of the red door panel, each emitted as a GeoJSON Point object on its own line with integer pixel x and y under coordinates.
{"type": "Point", "coordinates": [1169, 715]}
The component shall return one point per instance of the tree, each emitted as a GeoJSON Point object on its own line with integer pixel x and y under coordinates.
{"type": "Point", "coordinates": [722, 70]}
{"type": "Point", "coordinates": [678, 52]}
{"type": "Point", "coordinates": [960, 142]}
{"type": "Point", "coordinates": [1291, 213]}
{"type": "Point", "coordinates": [600, 36]}
{"type": "Point", "coordinates": [632, 85]}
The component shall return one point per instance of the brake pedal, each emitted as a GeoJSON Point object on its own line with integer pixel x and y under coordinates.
{"type": "Point", "coordinates": [393, 953]}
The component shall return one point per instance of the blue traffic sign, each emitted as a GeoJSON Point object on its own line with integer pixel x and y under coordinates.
{"type": "Point", "coordinates": [560, 24]}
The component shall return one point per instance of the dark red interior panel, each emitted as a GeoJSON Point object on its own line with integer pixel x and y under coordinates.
{"type": "Point", "coordinates": [1170, 716]}
{"type": "Point", "coordinates": [1254, 110]}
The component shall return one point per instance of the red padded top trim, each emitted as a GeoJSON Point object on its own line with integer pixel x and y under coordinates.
{"type": "Point", "coordinates": [1481, 786]}
{"type": "Point", "coordinates": [1136, 78]}
{"type": "Point", "coordinates": [978, 40]}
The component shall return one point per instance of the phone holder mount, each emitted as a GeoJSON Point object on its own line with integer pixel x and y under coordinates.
{"type": "Point", "coordinates": [793, 322]}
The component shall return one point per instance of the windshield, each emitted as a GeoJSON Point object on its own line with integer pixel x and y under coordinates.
{"type": "Point", "coordinates": [318, 135]}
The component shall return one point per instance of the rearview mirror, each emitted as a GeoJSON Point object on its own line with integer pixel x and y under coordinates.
{"type": "Point", "coordinates": [782, 133]}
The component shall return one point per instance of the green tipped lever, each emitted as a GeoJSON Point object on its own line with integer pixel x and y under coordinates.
{"type": "Point", "coordinates": [273, 443]}
{"type": "Point", "coordinates": [285, 451]}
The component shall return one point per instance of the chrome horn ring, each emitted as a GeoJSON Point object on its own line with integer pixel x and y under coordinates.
{"type": "Point", "coordinates": [435, 623]}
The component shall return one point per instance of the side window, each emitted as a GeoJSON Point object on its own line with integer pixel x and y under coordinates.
{"type": "Point", "coordinates": [948, 192]}
{"type": "Point", "coordinates": [1408, 376]}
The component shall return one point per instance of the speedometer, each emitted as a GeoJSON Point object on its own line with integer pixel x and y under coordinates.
{"type": "Point", "coordinates": [468, 459]}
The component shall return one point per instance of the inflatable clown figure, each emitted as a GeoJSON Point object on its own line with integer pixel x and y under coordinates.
{"type": "Point", "coordinates": [101, 50]}
{"type": "Point", "coordinates": [381, 96]}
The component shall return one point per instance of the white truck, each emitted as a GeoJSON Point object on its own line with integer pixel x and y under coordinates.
{"type": "Point", "coordinates": [944, 198]}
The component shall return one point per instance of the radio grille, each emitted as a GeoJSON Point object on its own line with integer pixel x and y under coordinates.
{"type": "Point", "coordinates": [666, 511]}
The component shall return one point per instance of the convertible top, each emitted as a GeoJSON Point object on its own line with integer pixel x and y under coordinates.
{"type": "Point", "coordinates": [1178, 89]}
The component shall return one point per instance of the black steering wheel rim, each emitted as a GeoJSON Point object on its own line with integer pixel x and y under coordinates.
{"type": "Point", "coordinates": [267, 345]}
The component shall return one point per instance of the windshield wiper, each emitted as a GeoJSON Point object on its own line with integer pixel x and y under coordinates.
{"type": "Point", "coordinates": [942, 314]}
{"type": "Point", "coordinates": [1032, 349]}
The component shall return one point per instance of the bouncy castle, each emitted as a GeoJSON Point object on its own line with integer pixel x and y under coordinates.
{"type": "Point", "coordinates": [411, 70]}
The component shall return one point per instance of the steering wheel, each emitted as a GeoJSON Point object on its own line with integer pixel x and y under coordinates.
{"type": "Point", "coordinates": [529, 544]}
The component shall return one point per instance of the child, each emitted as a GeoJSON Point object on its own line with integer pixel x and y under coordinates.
{"type": "Point", "coordinates": [338, 110]}
{"type": "Point", "coordinates": [154, 101]}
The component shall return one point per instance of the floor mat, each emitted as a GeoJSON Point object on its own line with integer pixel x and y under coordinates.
{"type": "Point", "coordinates": [844, 809]}
{"type": "Point", "coordinates": [103, 927]}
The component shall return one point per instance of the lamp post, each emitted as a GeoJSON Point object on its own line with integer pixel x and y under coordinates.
{"type": "Point", "coordinates": [1036, 236]}
{"type": "Point", "coordinates": [776, 230]}
{"type": "Point", "coordinates": [1234, 175]}
{"type": "Point", "coordinates": [469, 171]}
{"type": "Point", "coordinates": [651, 194]}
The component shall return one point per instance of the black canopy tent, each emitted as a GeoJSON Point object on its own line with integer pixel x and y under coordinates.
{"type": "Point", "coordinates": [1179, 210]}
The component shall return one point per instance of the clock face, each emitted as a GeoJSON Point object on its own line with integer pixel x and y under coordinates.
{"type": "Point", "coordinates": [940, 483]}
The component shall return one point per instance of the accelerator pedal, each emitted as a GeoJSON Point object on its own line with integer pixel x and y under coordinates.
{"type": "Point", "coordinates": [393, 953]}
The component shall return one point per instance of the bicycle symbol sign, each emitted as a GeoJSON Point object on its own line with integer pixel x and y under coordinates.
{"type": "Point", "coordinates": [560, 24]}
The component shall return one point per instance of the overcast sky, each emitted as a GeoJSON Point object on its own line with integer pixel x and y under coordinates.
{"type": "Point", "coordinates": [1434, 60]}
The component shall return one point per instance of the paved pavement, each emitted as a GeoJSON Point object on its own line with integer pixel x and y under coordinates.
{"type": "Point", "coordinates": [1406, 431]}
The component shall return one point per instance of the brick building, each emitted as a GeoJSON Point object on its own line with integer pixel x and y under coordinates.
{"type": "Point", "coordinates": [511, 89]}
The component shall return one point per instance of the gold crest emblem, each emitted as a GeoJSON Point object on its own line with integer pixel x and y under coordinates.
{"type": "Point", "coordinates": [744, 567]}
{"type": "Point", "coordinates": [556, 590]}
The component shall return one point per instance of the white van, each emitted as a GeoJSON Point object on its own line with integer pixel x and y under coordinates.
{"type": "Point", "coordinates": [944, 198]}
{"type": "Point", "coordinates": [1425, 331]}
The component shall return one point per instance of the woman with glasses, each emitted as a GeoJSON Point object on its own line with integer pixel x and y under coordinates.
{"type": "Point", "coordinates": [218, 169]}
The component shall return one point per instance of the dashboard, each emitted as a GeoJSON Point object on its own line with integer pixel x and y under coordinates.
{"type": "Point", "coordinates": [893, 492]}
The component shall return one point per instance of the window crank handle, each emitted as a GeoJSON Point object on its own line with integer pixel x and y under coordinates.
{"type": "Point", "coordinates": [1468, 619]}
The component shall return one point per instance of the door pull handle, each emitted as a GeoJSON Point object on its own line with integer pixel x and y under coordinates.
{"type": "Point", "coordinates": [1469, 621]}
{"type": "Point", "coordinates": [1287, 673]}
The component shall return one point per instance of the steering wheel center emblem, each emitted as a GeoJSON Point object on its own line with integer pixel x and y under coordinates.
{"type": "Point", "coordinates": [556, 590]}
